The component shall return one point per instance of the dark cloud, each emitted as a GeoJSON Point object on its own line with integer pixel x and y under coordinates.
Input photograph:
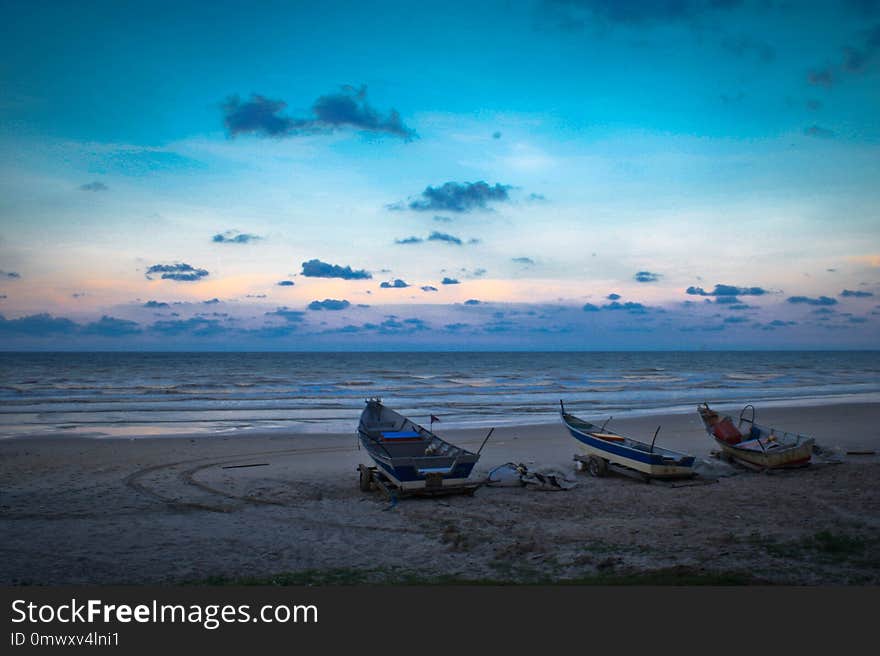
{"type": "Point", "coordinates": [849, 293]}
{"type": "Point", "coordinates": [112, 327]}
{"type": "Point", "coordinates": [329, 304]}
{"type": "Point", "coordinates": [736, 320]}
{"type": "Point", "coordinates": [211, 301]}
{"type": "Point", "coordinates": [857, 320]}
{"type": "Point", "coordinates": [819, 132]}
{"type": "Point", "coordinates": [646, 276]}
{"type": "Point", "coordinates": [822, 300]}
{"type": "Point", "coordinates": [496, 135]}
{"type": "Point", "coordinates": [444, 237]}
{"type": "Point", "coordinates": [449, 281]}
{"type": "Point", "coordinates": [409, 240]}
{"type": "Point", "coordinates": [857, 58]}
{"type": "Point", "coordinates": [821, 78]}
{"type": "Point", "coordinates": [744, 45]}
{"type": "Point", "coordinates": [460, 197]}
{"type": "Point", "coordinates": [156, 304]}
{"type": "Point", "coordinates": [472, 301]}
{"type": "Point", "coordinates": [348, 108]}
{"type": "Point", "coordinates": [78, 294]}
{"type": "Point", "coordinates": [576, 13]}
{"type": "Point", "coordinates": [824, 310]}
{"type": "Point", "coordinates": [318, 269]}
{"type": "Point", "coordinates": [37, 325]}
{"type": "Point", "coordinates": [94, 186]}
{"type": "Point", "coordinates": [180, 272]}
{"type": "Point", "coordinates": [234, 237]}
{"type": "Point", "coordinates": [287, 314]}
{"type": "Point", "coordinates": [633, 308]}
{"type": "Point", "coordinates": [397, 283]}
{"type": "Point", "coordinates": [613, 297]}
{"type": "Point", "coordinates": [196, 327]}
{"type": "Point", "coordinates": [255, 296]}
{"type": "Point", "coordinates": [527, 261]}
{"type": "Point", "coordinates": [727, 290]}
{"type": "Point", "coordinates": [443, 219]}
{"type": "Point", "coordinates": [10, 275]}
{"type": "Point", "coordinates": [285, 283]}
{"type": "Point", "coordinates": [429, 288]}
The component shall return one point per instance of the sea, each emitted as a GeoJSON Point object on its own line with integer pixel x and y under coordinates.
{"type": "Point", "coordinates": [165, 394]}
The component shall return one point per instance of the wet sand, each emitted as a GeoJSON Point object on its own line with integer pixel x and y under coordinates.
{"type": "Point", "coordinates": [172, 510]}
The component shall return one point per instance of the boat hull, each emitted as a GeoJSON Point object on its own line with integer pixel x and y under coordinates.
{"type": "Point", "coordinates": [654, 465]}
{"type": "Point", "coordinates": [796, 456]}
{"type": "Point", "coordinates": [410, 456]}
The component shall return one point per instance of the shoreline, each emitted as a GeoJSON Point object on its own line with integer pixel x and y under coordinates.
{"type": "Point", "coordinates": [638, 416]}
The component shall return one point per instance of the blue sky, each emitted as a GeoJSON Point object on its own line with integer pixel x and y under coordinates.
{"type": "Point", "coordinates": [545, 155]}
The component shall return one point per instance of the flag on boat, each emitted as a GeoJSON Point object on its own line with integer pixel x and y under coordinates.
{"type": "Point", "coordinates": [434, 418]}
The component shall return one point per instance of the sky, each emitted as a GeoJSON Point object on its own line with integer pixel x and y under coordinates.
{"type": "Point", "coordinates": [535, 175]}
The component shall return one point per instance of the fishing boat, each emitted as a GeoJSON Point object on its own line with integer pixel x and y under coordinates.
{"type": "Point", "coordinates": [604, 448]}
{"type": "Point", "coordinates": [412, 457]}
{"type": "Point", "coordinates": [756, 447]}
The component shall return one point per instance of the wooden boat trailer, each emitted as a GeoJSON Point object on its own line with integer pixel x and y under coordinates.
{"type": "Point", "coordinates": [371, 478]}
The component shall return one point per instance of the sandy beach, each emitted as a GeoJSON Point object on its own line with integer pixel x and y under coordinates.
{"type": "Point", "coordinates": [182, 509]}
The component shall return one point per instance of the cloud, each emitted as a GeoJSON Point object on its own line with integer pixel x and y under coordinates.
{"type": "Point", "coordinates": [819, 132]}
{"type": "Point", "coordinates": [613, 297]}
{"type": "Point", "coordinates": [727, 290]}
{"type": "Point", "coordinates": [743, 45]}
{"type": "Point", "coordinates": [285, 283]}
{"type": "Point", "coordinates": [527, 261]}
{"type": "Point", "coordinates": [409, 240]}
{"type": "Point", "coordinates": [180, 272]}
{"type": "Point", "coordinates": [78, 295]}
{"type": "Point", "coordinates": [234, 237]}
{"type": "Point", "coordinates": [633, 308]}
{"type": "Point", "coordinates": [196, 326]}
{"type": "Point", "coordinates": [94, 186]}
{"type": "Point", "coordinates": [472, 301]}
{"type": "Point", "coordinates": [10, 275]}
{"type": "Point", "coordinates": [822, 300]}
{"type": "Point", "coordinates": [318, 269]}
{"type": "Point", "coordinates": [444, 237]}
{"type": "Point", "coordinates": [449, 281]}
{"type": "Point", "coordinates": [211, 301]}
{"type": "Point", "coordinates": [348, 108]}
{"type": "Point", "coordinates": [329, 304]}
{"type": "Point", "coordinates": [574, 13]}
{"type": "Point", "coordinates": [37, 325]}
{"type": "Point", "coordinates": [291, 316]}
{"type": "Point", "coordinates": [428, 288]}
{"type": "Point", "coordinates": [460, 197]}
{"type": "Point", "coordinates": [156, 304]}
{"type": "Point", "coordinates": [443, 219]}
{"type": "Point", "coordinates": [822, 78]}
{"type": "Point", "coordinates": [112, 327]}
{"type": "Point", "coordinates": [646, 276]}
{"type": "Point", "coordinates": [496, 135]}
{"type": "Point", "coordinates": [849, 293]}
{"type": "Point", "coordinates": [857, 58]}
{"type": "Point", "coordinates": [397, 283]}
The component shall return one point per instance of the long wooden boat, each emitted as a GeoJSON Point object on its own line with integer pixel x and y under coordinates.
{"type": "Point", "coordinates": [411, 456]}
{"type": "Point", "coordinates": [607, 447]}
{"type": "Point", "coordinates": [755, 446]}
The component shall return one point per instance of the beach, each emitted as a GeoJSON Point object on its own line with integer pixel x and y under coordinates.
{"type": "Point", "coordinates": [285, 507]}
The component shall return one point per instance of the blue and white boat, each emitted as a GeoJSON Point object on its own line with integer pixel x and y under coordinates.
{"type": "Point", "coordinates": [411, 456]}
{"type": "Point", "coordinates": [605, 447]}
